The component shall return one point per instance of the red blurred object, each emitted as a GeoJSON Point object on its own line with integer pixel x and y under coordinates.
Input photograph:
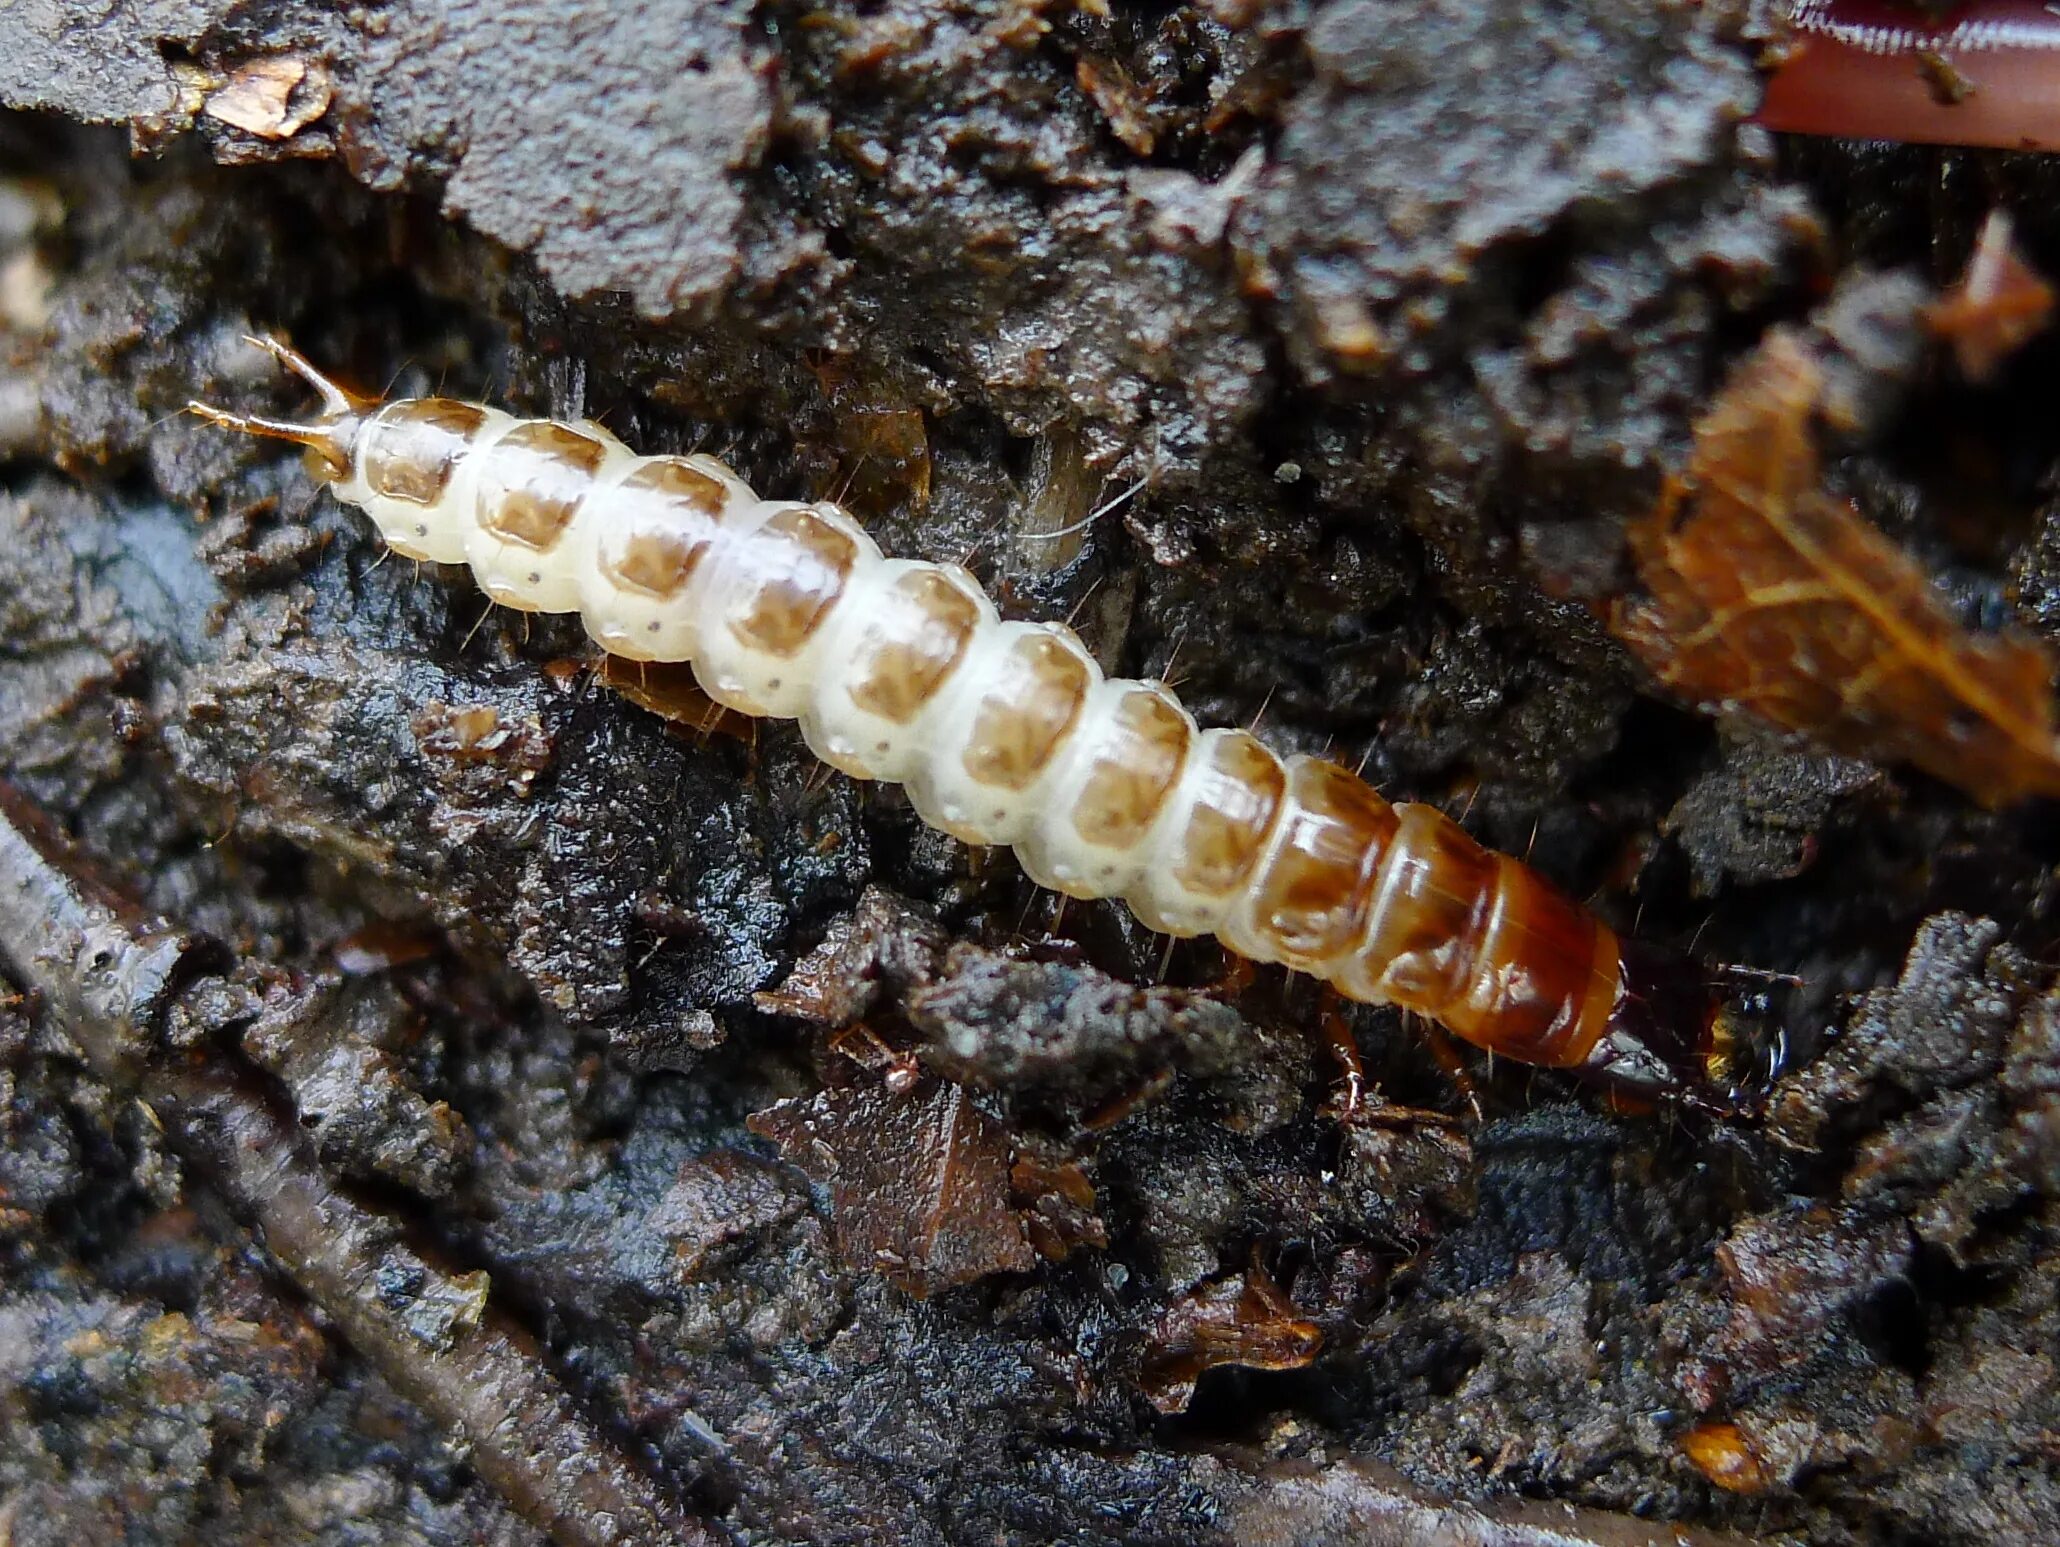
{"type": "Point", "coordinates": [1983, 72]}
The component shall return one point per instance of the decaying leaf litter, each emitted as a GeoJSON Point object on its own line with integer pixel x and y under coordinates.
{"type": "Point", "coordinates": [1763, 593]}
{"type": "Point", "coordinates": [228, 709]}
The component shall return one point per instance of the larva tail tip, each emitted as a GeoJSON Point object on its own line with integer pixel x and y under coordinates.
{"type": "Point", "coordinates": [336, 399]}
{"type": "Point", "coordinates": [329, 437]}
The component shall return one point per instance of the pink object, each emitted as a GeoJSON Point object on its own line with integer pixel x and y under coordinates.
{"type": "Point", "coordinates": [1984, 72]}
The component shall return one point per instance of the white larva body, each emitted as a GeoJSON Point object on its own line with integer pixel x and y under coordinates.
{"type": "Point", "coordinates": [1007, 733]}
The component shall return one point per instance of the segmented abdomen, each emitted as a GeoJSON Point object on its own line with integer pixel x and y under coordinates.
{"type": "Point", "coordinates": [1003, 732]}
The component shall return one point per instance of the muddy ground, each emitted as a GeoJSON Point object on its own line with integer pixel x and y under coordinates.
{"type": "Point", "coordinates": [495, 983]}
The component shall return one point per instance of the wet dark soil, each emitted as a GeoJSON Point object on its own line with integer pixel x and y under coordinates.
{"type": "Point", "coordinates": [812, 1179]}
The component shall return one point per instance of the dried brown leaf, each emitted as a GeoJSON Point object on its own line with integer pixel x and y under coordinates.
{"type": "Point", "coordinates": [1243, 1320]}
{"type": "Point", "coordinates": [1768, 594]}
{"type": "Point", "coordinates": [883, 943]}
{"type": "Point", "coordinates": [919, 1184]}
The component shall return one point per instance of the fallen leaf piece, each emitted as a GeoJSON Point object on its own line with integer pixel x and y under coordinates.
{"type": "Point", "coordinates": [881, 943]}
{"type": "Point", "coordinates": [1245, 1320]}
{"type": "Point", "coordinates": [2000, 304]}
{"type": "Point", "coordinates": [273, 98]}
{"type": "Point", "coordinates": [1724, 1454]}
{"type": "Point", "coordinates": [1058, 1200]}
{"type": "Point", "coordinates": [1768, 594]}
{"type": "Point", "coordinates": [919, 1184]}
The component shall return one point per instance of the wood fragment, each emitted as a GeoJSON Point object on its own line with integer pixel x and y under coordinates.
{"type": "Point", "coordinates": [919, 1183]}
{"type": "Point", "coordinates": [113, 978]}
{"type": "Point", "coordinates": [1357, 1502]}
{"type": "Point", "coordinates": [273, 98]}
{"type": "Point", "coordinates": [1770, 595]}
{"type": "Point", "coordinates": [1245, 1320]}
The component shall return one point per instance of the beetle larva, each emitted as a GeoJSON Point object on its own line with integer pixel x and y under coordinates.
{"type": "Point", "coordinates": [1008, 733]}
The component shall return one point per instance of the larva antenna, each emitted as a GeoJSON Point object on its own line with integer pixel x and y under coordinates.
{"type": "Point", "coordinates": [329, 436]}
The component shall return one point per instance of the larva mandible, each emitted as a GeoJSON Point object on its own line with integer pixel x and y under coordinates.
{"type": "Point", "coordinates": [1008, 733]}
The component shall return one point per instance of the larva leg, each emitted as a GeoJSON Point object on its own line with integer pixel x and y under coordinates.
{"type": "Point", "coordinates": [1008, 733]}
{"type": "Point", "coordinates": [1344, 1049]}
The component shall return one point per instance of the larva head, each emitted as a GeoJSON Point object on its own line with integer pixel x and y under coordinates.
{"type": "Point", "coordinates": [330, 437]}
{"type": "Point", "coordinates": [1675, 1036]}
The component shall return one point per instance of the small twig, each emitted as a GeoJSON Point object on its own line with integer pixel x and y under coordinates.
{"type": "Point", "coordinates": [113, 976]}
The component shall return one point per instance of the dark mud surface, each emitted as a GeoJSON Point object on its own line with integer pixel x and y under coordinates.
{"type": "Point", "coordinates": [785, 1169]}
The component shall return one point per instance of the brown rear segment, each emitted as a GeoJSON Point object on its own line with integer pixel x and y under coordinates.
{"type": "Point", "coordinates": [1486, 947]}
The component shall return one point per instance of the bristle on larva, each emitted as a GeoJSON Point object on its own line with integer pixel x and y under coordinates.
{"type": "Point", "coordinates": [1008, 733]}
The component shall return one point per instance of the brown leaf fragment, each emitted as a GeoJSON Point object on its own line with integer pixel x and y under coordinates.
{"type": "Point", "coordinates": [1770, 595]}
{"type": "Point", "coordinates": [1058, 1200]}
{"type": "Point", "coordinates": [919, 1184]}
{"type": "Point", "coordinates": [1724, 1454]}
{"type": "Point", "coordinates": [1245, 1320]}
{"type": "Point", "coordinates": [2000, 304]}
{"type": "Point", "coordinates": [883, 943]}
{"type": "Point", "coordinates": [273, 98]}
